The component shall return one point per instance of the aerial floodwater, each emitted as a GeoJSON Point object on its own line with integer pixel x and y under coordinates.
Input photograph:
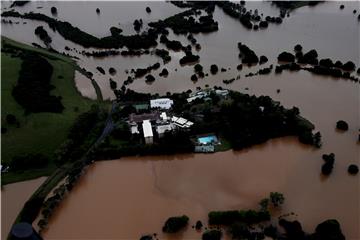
{"type": "Point", "coordinates": [129, 197]}
{"type": "Point", "coordinates": [13, 197]}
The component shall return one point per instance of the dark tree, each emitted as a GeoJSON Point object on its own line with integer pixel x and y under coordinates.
{"type": "Point", "coordinates": [353, 169]}
{"type": "Point", "coordinates": [349, 66]}
{"type": "Point", "coordinates": [298, 48]}
{"type": "Point", "coordinates": [100, 69]}
{"type": "Point", "coordinates": [11, 119]}
{"type": "Point", "coordinates": [342, 125]}
{"type": "Point", "coordinates": [113, 84]}
{"type": "Point", "coordinates": [194, 78]}
{"type": "Point", "coordinates": [276, 198]}
{"type": "Point", "coordinates": [342, 6]}
{"type": "Point", "coordinates": [198, 68]}
{"type": "Point", "coordinates": [263, 59]}
{"type": "Point", "coordinates": [53, 10]}
{"type": "Point", "coordinates": [149, 78]}
{"type": "Point", "coordinates": [175, 224]}
{"type": "Point", "coordinates": [112, 71]}
{"type": "Point", "coordinates": [286, 57]}
{"type": "Point", "coordinates": [329, 230]}
{"type": "Point", "coordinates": [148, 10]}
{"type": "Point", "coordinates": [198, 225]}
{"type": "Point", "coordinates": [164, 73]}
{"type": "Point", "coordinates": [97, 10]}
{"type": "Point", "coordinates": [212, 235]}
{"type": "Point", "coordinates": [214, 69]}
{"type": "Point", "coordinates": [115, 31]}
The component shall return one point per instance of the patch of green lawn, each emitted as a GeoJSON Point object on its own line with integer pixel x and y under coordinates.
{"type": "Point", "coordinates": [38, 132]}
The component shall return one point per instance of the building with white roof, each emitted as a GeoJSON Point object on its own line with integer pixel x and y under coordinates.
{"type": "Point", "coordinates": [163, 103]}
{"type": "Point", "coordinates": [147, 130]}
{"type": "Point", "coordinates": [181, 122]}
{"type": "Point", "coordinates": [161, 129]}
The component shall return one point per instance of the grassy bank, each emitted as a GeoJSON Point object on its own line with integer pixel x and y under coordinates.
{"type": "Point", "coordinates": [38, 133]}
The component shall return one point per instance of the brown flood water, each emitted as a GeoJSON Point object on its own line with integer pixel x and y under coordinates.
{"type": "Point", "coordinates": [13, 197]}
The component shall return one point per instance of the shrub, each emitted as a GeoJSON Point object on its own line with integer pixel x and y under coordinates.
{"type": "Point", "coordinates": [353, 169]}
{"type": "Point", "coordinates": [342, 125]}
{"type": "Point", "coordinates": [212, 235]}
{"type": "Point", "coordinates": [175, 224]}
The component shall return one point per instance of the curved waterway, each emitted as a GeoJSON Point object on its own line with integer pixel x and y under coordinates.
{"type": "Point", "coordinates": [13, 198]}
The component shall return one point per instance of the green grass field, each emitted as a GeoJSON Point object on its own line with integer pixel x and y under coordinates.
{"type": "Point", "coordinates": [38, 132]}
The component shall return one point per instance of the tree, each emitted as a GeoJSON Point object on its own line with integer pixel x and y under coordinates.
{"type": "Point", "coordinates": [353, 169]}
{"type": "Point", "coordinates": [298, 48]}
{"type": "Point", "coordinates": [342, 125]}
{"type": "Point", "coordinates": [342, 6]}
{"type": "Point", "coordinates": [328, 230]}
{"type": "Point", "coordinates": [148, 10]}
{"type": "Point", "coordinates": [11, 119]}
{"type": "Point", "coordinates": [115, 31]}
{"type": "Point", "coordinates": [349, 66]}
{"type": "Point", "coordinates": [112, 71]}
{"type": "Point", "coordinates": [264, 204]}
{"type": "Point", "coordinates": [194, 78]}
{"type": "Point", "coordinates": [149, 78]}
{"type": "Point", "coordinates": [175, 224]}
{"type": "Point", "coordinates": [263, 59]}
{"type": "Point", "coordinates": [113, 84]}
{"type": "Point", "coordinates": [276, 198]}
{"type": "Point", "coordinates": [214, 69]}
{"type": "Point", "coordinates": [286, 57]}
{"type": "Point", "coordinates": [53, 10]}
{"type": "Point", "coordinates": [97, 10]}
{"type": "Point", "coordinates": [212, 235]}
{"type": "Point", "coordinates": [198, 68]}
{"type": "Point", "coordinates": [198, 225]}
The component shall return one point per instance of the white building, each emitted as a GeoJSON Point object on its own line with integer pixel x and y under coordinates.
{"type": "Point", "coordinates": [148, 133]}
{"type": "Point", "coordinates": [163, 103]}
{"type": "Point", "coordinates": [164, 116]}
{"type": "Point", "coordinates": [181, 122]}
{"type": "Point", "coordinates": [134, 129]}
{"type": "Point", "coordinates": [161, 129]}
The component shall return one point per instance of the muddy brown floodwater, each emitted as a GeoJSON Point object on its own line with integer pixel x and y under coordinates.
{"type": "Point", "coordinates": [13, 198]}
{"type": "Point", "coordinates": [123, 199]}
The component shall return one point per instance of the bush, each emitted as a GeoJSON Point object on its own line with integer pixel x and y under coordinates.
{"type": "Point", "coordinates": [175, 224]}
{"type": "Point", "coordinates": [214, 69]}
{"type": "Point", "coordinates": [342, 125]}
{"type": "Point", "coordinates": [353, 169]}
{"type": "Point", "coordinates": [286, 57]}
{"type": "Point", "coordinates": [212, 235]}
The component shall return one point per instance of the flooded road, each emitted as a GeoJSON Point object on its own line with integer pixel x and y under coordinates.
{"type": "Point", "coordinates": [13, 198]}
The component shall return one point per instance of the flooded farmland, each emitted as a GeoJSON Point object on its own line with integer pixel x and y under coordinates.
{"type": "Point", "coordinates": [132, 196]}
